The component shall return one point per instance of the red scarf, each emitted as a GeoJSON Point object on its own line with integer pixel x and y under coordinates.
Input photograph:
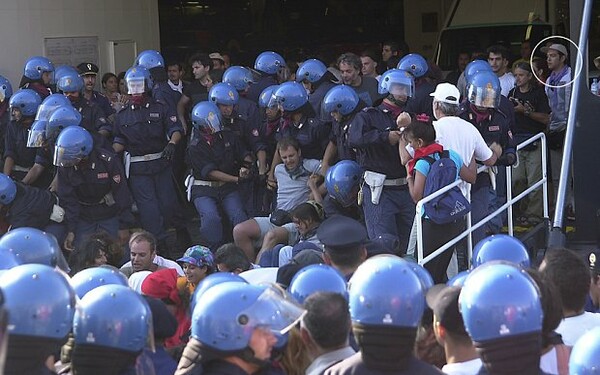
{"type": "Point", "coordinates": [394, 109]}
{"type": "Point", "coordinates": [479, 116]}
{"type": "Point", "coordinates": [422, 152]}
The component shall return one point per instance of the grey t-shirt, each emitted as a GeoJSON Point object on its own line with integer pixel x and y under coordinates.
{"type": "Point", "coordinates": [367, 90]}
{"type": "Point", "coordinates": [291, 193]}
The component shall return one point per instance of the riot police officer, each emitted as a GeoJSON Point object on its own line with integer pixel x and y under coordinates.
{"type": "Point", "coordinates": [317, 81]}
{"type": "Point", "coordinates": [218, 162]}
{"type": "Point", "coordinates": [483, 110]}
{"type": "Point", "coordinates": [270, 67]}
{"type": "Point", "coordinates": [37, 75]}
{"type": "Point", "coordinates": [6, 92]}
{"type": "Point", "coordinates": [91, 185]}
{"type": "Point", "coordinates": [421, 101]}
{"type": "Point", "coordinates": [500, 247]}
{"type": "Point", "coordinates": [154, 62]}
{"type": "Point", "coordinates": [233, 329]}
{"type": "Point", "coordinates": [18, 158]}
{"type": "Point", "coordinates": [373, 133]}
{"type": "Point", "coordinates": [385, 329]}
{"type": "Point", "coordinates": [40, 304]}
{"type": "Point", "coordinates": [508, 343]}
{"type": "Point", "coordinates": [111, 328]}
{"type": "Point", "coordinates": [241, 79]}
{"type": "Point", "coordinates": [342, 182]}
{"type": "Point", "coordinates": [149, 132]}
{"type": "Point", "coordinates": [93, 117]}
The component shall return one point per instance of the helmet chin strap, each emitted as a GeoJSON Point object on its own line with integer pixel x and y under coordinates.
{"type": "Point", "coordinates": [395, 101]}
{"type": "Point", "coordinates": [248, 355]}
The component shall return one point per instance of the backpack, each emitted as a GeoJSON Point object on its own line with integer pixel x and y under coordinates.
{"type": "Point", "coordinates": [450, 206]}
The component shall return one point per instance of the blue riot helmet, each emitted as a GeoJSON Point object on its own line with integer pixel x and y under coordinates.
{"type": "Point", "coordinates": [290, 96]}
{"type": "Point", "coordinates": [458, 279]}
{"type": "Point", "coordinates": [239, 77]}
{"type": "Point", "coordinates": [311, 70]}
{"type": "Point", "coordinates": [26, 101]}
{"type": "Point", "coordinates": [60, 119]}
{"type": "Point", "coordinates": [70, 82]}
{"type": "Point", "coordinates": [414, 64]}
{"type": "Point", "coordinates": [475, 67]}
{"type": "Point", "coordinates": [61, 70]}
{"type": "Point", "coordinates": [212, 280]}
{"type": "Point", "coordinates": [91, 278]}
{"type": "Point", "coordinates": [138, 80]}
{"type": "Point", "coordinates": [8, 189]}
{"type": "Point", "coordinates": [265, 96]}
{"type": "Point", "coordinates": [206, 117]}
{"type": "Point", "coordinates": [269, 62]}
{"type": "Point", "coordinates": [72, 145]}
{"type": "Point", "coordinates": [8, 260]}
{"type": "Point", "coordinates": [376, 298]}
{"type": "Point", "coordinates": [113, 316]}
{"type": "Point", "coordinates": [585, 355]}
{"type": "Point", "coordinates": [343, 182]}
{"type": "Point", "coordinates": [397, 82]}
{"type": "Point", "coordinates": [39, 300]}
{"type": "Point", "coordinates": [36, 66]}
{"type": "Point", "coordinates": [37, 132]}
{"type": "Point", "coordinates": [223, 93]}
{"type": "Point", "coordinates": [500, 247]}
{"type": "Point", "coordinates": [483, 90]}
{"type": "Point", "coordinates": [423, 274]}
{"type": "Point", "coordinates": [316, 278]}
{"type": "Point", "coordinates": [230, 311]}
{"type": "Point", "coordinates": [342, 99]}
{"type": "Point", "coordinates": [500, 300]}
{"type": "Point", "coordinates": [31, 245]}
{"type": "Point", "coordinates": [149, 59]}
{"type": "Point", "coordinates": [6, 90]}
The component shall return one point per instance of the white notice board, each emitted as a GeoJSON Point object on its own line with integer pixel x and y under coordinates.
{"type": "Point", "coordinates": [72, 50]}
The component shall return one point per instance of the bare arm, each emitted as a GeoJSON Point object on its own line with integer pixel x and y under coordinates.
{"type": "Point", "coordinates": [33, 174]}
{"type": "Point", "coordinates": [181, 107]}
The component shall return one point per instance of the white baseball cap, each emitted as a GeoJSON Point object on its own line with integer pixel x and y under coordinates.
{"type": "Point", "coordinates": [446, 93]}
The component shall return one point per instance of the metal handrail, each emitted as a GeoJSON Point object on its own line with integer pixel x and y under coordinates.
{"type": "Point", "coordinates": [508, 205]}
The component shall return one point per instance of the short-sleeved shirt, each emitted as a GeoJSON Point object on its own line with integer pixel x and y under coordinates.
{"type": "Point", "coordinates": [537, 98]}
{"type": "Point", "coordinates": [291, 193]}
{"type": "Point", "coordinates": [367, 90]}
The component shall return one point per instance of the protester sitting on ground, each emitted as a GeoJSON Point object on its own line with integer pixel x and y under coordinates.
{"type": "Point", "coordinates": [292, 189]}
{"type": "Point", "coordinates": [142, 246]}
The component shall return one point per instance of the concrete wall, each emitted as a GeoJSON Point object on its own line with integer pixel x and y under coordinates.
{"type": "Point", "coordinates": [419, 41]}
{"type": "Point", "coordinates": [25, 23]}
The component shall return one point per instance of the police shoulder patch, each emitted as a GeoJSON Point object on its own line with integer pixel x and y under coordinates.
{"type": "Point", "coordinates": [117, 178]}
{"type": "Point", "coordinates": [105, 157]}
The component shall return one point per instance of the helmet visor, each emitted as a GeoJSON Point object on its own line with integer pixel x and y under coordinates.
{"type": "Point", "coordinates": [37, 134]}
{"type": "Point", "coordinates": [401, 89]}
{"type": "Point", "coordinates": [273, 310]}
{"type": "Point", "coordinates": [65, 157]}
{"type": "Point", "coordinates": [276, 102]}
{"type": "Point", "coordinates": [135, 86]}
{"type": "Point", "coordinates": [486, 97]}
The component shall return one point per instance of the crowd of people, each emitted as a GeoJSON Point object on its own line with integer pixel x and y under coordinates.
{"type": "Point", "coordinates": [305, 185]}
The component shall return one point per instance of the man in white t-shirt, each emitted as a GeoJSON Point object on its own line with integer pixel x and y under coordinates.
{"type": "Point", "coordinates": [450, 332]}
{"type": "Point", "coordinates": [498, 59]}
{"type": "Point", "coordinates": [142, 247]}
{"type": "Point", "coordinates": [459, 135]}
{"type": "Point", "coordinates": [571, 276]}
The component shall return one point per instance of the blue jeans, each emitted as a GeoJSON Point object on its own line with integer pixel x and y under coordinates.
{"type": "Point", "coordinates": [393, 215]}
{"type": "Point", "coordinates": [211, 226]}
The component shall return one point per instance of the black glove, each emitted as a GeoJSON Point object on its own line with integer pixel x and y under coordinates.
{"type": "Point", "coordinates": [507, 159]}
{"type": "Point", "coordinates": [168, 151]}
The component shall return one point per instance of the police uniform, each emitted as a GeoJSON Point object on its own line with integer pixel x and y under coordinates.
{"type": "Point", "coordinates": [143, 131]}
{"type": "Point", "coordinates": [223, 152]}
{"type": "Point", "coordinates": [4, 122]}
{"type": "Point", "coordinates": [393, 213]}
{"type": "Point", "coordinates": [494, 127]}
{"type": "Point", "coordinates": [42, 90]}
{"type": "Point", "coordinates": [312, 135]}
{"type": "Point", "coordinates": [33, 207]}
{"type": "Point", "coordinates": [162, 91]}
{"type": "Point", "coordinates": [16, 148]}
{"type": "Point", "coordinates": [339, 137]}
{"type": "Point", "coordinates": [316, 100]}
{"type": "Point", "coordinates": [355, 366]}
{"type": "Point", "coordinates": [93, 117]}
{"type": "Point", "coordinates": [257, 88]}
{"type": "Point", "coordinates": [421, 102]}
{"type": "Point", "coordinates": [94, 194]}
{"type": "Point", "coordinates": [332, 207]}
{"type": "Point", "coordinates": [97, 98]}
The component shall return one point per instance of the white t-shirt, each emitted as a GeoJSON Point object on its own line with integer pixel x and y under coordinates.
{"type": "Point", "coordinates": [162, 262]}
{"type": "Point", "coordinates": [549, 362]}
{"type": "Point", "coordinates": [463, 138]}
{"type": "Point", "coordinates": [507, 83]}
{"type": "Point", "coordinates": [471, 367]}
{"type": "Point", "coordinates": [571, 329]}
